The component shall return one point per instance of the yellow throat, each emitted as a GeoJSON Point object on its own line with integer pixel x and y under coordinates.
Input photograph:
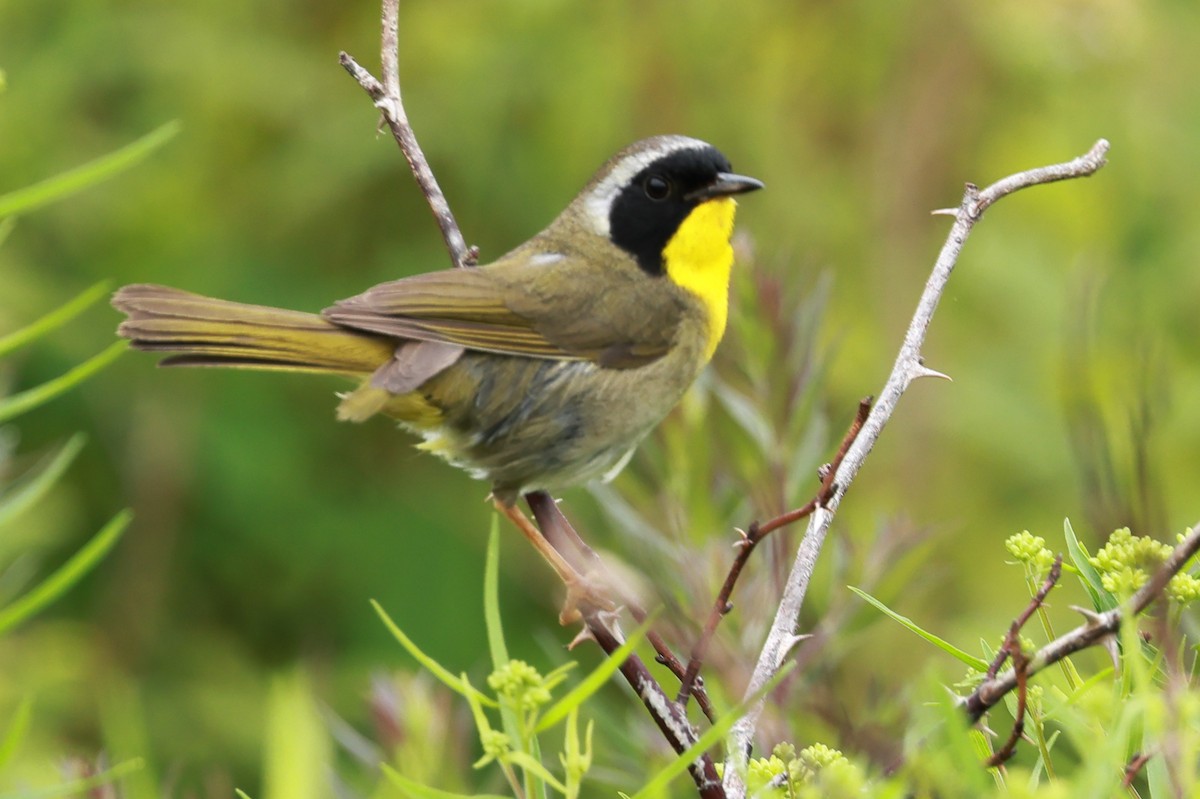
{"type": "Point", "coordinates": [699, 258]}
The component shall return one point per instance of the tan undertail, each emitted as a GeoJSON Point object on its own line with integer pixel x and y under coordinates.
{"type": "Point", "coordinates": [202, 331]}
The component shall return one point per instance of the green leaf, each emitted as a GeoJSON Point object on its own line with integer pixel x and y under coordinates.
{"type": "Point", "coordinates": [79, 787]}
{"type": "Point", "coordinates": [418, 791]}
{"type": "Point", "coordinates": [81, 177]}
{"type": "Point", "coordinates": [429, 664]}
{"type": "Point", "coordinates": [16, 730]}
{"type": "Point", "coordinates": [39, 395]}
{"type": "Point", "coordinates": [499, 651]}
{"type": "Point", "coordinates": [296, 755]}
{"type": "Point", "coordinates": [945, 646]}
{"type": "Point", "coordinates": [491, 598]}
{"type": "Point", "coordinates": [241, 794]}
{"type": "Point", "coordinates": [593, 681]}
{"type": "Point", "coordinates": [67, 575]}
{"type": "Point", "coordinates": [6, 228]}
{"type": "Point", "coordinates": [658, 783]}
{"type": "Point", "coordinates": [1102, 600]}
{"type": "Point", "coordinates": [32, 488]}
{"type": "Point", "coordinates": [532, 766]}
{"type": "Point", "coordinates": [55, 319]}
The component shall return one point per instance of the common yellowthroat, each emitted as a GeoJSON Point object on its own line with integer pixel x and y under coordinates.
{"type": "Point", "coordinates": [540, 370]}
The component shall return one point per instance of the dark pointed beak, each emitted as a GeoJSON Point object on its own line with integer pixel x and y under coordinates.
{"type": "Point", "coordinates": [725, 185]}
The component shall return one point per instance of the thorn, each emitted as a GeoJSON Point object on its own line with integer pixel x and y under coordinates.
{"type": "Point", "coordinates": [924, 371]}
{"type": "Point", "coordinates": [1109, 642]}
{"type": "Point", "coordinates": [581, 637]}
{"type": "Point", "coordinates": [790, 644]}
{"type": "Point", "coordinates": [944, 212]}
{"type": "Point", "coordinates": [1093, 618]}
{"type": "Point", "coordinates": [727, 608]}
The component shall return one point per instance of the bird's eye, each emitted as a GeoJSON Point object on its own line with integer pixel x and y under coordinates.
{"type": "Point", "coordinates": [657, 188]}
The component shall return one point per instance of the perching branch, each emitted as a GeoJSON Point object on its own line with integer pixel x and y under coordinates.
{"type": "Point", "coordinates": [387, 99]}
{"type": "Point", "coordinates": [1097, 628]}
{"type": "Point", "coordinates": [561, 543]}
{"type": "Point", "coordinates": [908, 367]}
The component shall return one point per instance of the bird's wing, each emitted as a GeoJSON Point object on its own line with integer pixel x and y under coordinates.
{"type": "Point", "coordinates": [554, 307]}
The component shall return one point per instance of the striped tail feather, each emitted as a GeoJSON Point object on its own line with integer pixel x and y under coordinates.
{"type": "Point", "coordinates": [202, 331]}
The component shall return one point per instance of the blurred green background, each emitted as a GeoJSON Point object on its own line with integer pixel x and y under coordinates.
{"type": "Point", "coordinates": [263, 527]}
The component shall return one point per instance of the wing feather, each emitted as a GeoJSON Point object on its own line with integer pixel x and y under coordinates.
{"type": "Point", "coordinates": [514, 307]}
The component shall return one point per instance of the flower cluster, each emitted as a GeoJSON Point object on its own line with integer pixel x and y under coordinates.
{"type": "Point", "coordinates": [1031, 550]}
{"type": "Point", "coordinates": [1126, 562]}
{"type": "Point", "coordinates": [814, 771]}
{"type": "Point", "coordinates": [519, 685]}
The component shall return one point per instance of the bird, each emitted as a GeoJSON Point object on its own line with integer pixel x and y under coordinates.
{"type": "Point", "coordinates": [538, 371]}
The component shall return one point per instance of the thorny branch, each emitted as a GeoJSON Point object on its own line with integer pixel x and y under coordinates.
{"type": "Point", "coordinates": [908, 367]}
{"type": "Point", "coordinates": [1019, 623]}
{"type": "Point", "coordinates": [753, 534]}
{"type": "Point", "coordinates": [1011, 649]}
{"type": "Point", "coordinates": [1096, 628]}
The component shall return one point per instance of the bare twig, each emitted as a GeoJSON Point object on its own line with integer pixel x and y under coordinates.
{"type": "Point", "coordinates": [669, 716]}
{"type": "Point", "coordinates": [757, 532]}
{"type": "Point", "coordinates": [386, 96]}
{"type": "Point", "coordinates": [1096, 628]}
{"type": "Point", "coordinates": [1134, 767]}
{"type": "Point", "coordinates": [1012, 648]}
{"type": "Point", "coordinates": [908, 367]}
{"type": "Point", "coordinates": [1034, 603]}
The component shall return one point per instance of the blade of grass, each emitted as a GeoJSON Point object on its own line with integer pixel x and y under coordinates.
{"type": "Point", "coordinates": [55, 319]}
{"type": "Point", "coordinates": [82, 786]}
{"type": "Point", "coordinates": [29, 399]}
{"type": "Point", "coordinates": [428, 663]}
{"type": "Point", "coordinates": [947, 647]}
{"type": "Point", "coordinates": [657, 785]}
{"type": "Point", "coordinates": [491, 598]}
{"type": "Point", "coordinates": [33, 488]}
{"type": "Point", "coordinates": [16, 730]}
{"type": "Point", "coordinates": [1102, 600]}
{"type": "Point", "coordinates": [418, 791]}
{"type": "Point", "coordinates": [499, 650]}
{"type": "Point", "coordinates": [296, 745]}
{"type": "Point", "coordinates": [81, 177]}
{"type": "Point", "coordinates": [594, 680]}
{"type": "Point", "coordinates": [67, 575]}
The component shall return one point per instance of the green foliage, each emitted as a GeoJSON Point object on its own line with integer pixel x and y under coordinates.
{"type": "Point", "coordinates": [66, 576]}
{"type": "Point", "coordinates": [1126, 562]}
{"type": "Point", "coordinates": [22, 495]}
{"type": "Point", "coordinates": [523, 697]}
{"type": "Point", "coordinates": [1067, 716]}
{"type": "Point", "coordinates": [815, 771]}
{"type": "Point", "coordinates": [104, 779]}
{"type": "Point", "coordinates": [1070, 331]}
{"type": "Point", "coordinates": [65, 184]}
